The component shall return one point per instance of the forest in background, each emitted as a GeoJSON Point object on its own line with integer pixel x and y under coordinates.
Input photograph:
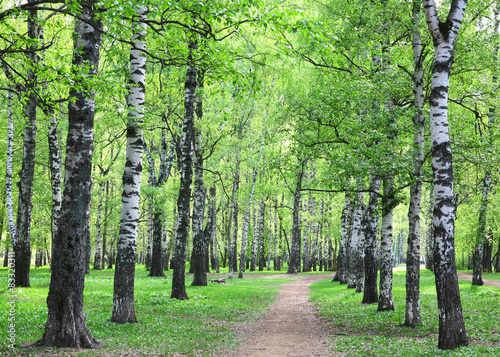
{"type": "Point", "coordinates": [297, 103]}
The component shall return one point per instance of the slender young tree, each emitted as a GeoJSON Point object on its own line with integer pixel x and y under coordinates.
{"type": "Point", "coordinates": [246, 222]}
{"type": "Point", "coordinates": [412, 315]}
{"type": "Point", "coordinates": [211, 228]}
{"type": "Point", "coordinates": [183, 201]}
{"type": "Point", "coordinates": [123, 293]}
{"type": "Point", "coordinates": [199, 255]}
{"type": "Point", "coordinates": [166, 163]}
{"type": "Point", "coordinates": [294, 261]}
{"type": "Point", "coordinates": [22, 248]}
{"type": "Point", "coordinates": [66, 326]}
{"type": "Point", "coordinates": [477, 259]}
{"type": "Point", "coordinates": [452, 331]}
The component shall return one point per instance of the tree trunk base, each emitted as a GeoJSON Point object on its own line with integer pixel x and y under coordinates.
{"type": "Point", "coordinates": [156, 273]}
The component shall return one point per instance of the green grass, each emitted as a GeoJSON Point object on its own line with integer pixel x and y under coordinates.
{"type": "Point", "coordinates": [490, 276]}
{"type": "Point", "coordinates": [362, 331]}
{"type": "Point", "coordinates": [200, 326]}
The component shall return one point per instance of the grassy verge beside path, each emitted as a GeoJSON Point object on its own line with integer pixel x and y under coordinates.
{"type": "Point", "coordinates": [362, 331]}
{"type": "Point", "coordinates": [200, 326]}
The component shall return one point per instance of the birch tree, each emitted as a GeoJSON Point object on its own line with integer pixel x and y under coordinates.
{"type": "Point", "coordinates": [370, 224]}
{"type": "Point", "coordinates": [123, 293]}
{"type": "Point", "coordinates": [345, 235]}
{"type": "Point", "coordinates": [412, 315]}
{"type": "Point", "coordinates": [294, 261]}
{"type": "Point", "coordinates": [66, 326]}
{"type": "Point", "coordinates": [199, 255]}
{"type": "Point", "coordinates": [183, 201]}
{"type": "Point", "coordinates": [22, 247]}
{"type": "Point", "coordinates": [452, 331]}
{"type": "Point", "coordinates": [477, 259]}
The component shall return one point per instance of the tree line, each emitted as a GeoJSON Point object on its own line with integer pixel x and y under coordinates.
{"type": "Point", "coordinates": [268, 131]}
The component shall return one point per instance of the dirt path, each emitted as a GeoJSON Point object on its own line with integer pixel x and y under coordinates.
{"type": "Point", "coordinates": [290, 327]}
{"type": "Point", "coordinates": [468, 276]}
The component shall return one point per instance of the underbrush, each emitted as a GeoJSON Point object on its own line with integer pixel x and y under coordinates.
{"type": "Point", "coordinates": [359, 330]}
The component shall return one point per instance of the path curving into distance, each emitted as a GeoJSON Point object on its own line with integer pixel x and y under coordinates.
{"type": "Point", "coordinates": [290, 327]}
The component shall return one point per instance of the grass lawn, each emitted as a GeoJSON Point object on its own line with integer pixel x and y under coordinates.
{"type": "Point", "coordinates": [200, 326]}
{"type": "Point", "coordinates": [362, 331]}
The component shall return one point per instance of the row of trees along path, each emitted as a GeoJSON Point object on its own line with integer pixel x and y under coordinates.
{"type": "Point", "coordinates": [201, 31]}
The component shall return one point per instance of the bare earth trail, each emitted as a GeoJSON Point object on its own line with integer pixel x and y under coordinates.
{"type": "Point", "coordinates": [290, 327]}
{"type": "Point", "coordinates": [468, 276]}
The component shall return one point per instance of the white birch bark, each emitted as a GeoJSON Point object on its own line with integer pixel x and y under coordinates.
{"type": "Point", "coordinates": [451, 325]}
{"type": "Point", "coordinates": [55, 171]}
{"type": "Point", "coordinates": [370, 228]}
{"type": "Point", "coordinates": [316, 228]}
{"type": "Point", "coordinates": [8, 176]}
{"type": "Point", "coordinates": [200, 245]}
{"type": "Point", "coordinates": [183, 201]}
{"type": "Point", "coordinates": [345, 236]}
{"type": "Point", "coordinates": [294, 260]}
{"type": "Point", "coordinates": [66, 326]}
{"type": "Point", "coordinates": [255, 241]}
{"type": "Point", "coordinates": [385, 302]}
{"type": "Point", "coordinates": [149, 245]}
{"type": "Point", "coordinates": [276, 264]}
{"type": "Point", "coordinates": [123, 294]}
{"type": "Point", "coordinates": [98, 239]}
{"type": "Point", "coordinates": [246, 221]}
{"type": "Point", "coordinates": [22, 247]}
{"type": "Point", "coordinates": [412, 312]}
{"type": "Point", "coordinates": [260, 223]}
{"type": "Point", "coordinates": [355, 250]}
{"type": "Point", "coordinates": [212, 226]}
{"type": "Point", "coordinates": [477, 261]}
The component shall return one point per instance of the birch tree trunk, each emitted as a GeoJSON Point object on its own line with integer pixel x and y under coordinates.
{"type": "Point", "coordinates": [356, 251]}
{"type": "Point", "coordinates": [8, 175]}
{"type": "Point", "coordinates": [246, 221]}
{"type": "Point", "coordinates": [451, 325]}
{"type": "Point", "coordinates": [317, 224]}
{"type": "Point", "coordinates": [412, 315]}
{"type": "Point", "coordinates": [294, 261]}
{"type": "Point", "coordinates": [199, 251]}
{"type": "Point", "coordinates": [370, 224]}
{"type": "Point", "coordinates": [55, 171]}
{"type": "Point", "coordinates": [22, 247]}
{"type": "Point", "coordinates": [255, 241]}
{"type": "Point", "coordinates": [149, 246]}
{"type": "Point", "coordinates": [98, 239]}
{"type": "Point", "coordinates": [276, 264]}
{"type": "Point", "coordinates": [260, 223]}
{"type": "Point", "coordinates": [212, 229]}
{"type": "Point", "coordinates": [123, 293]}
{"type": "Point", "coordinates": [233, 215]}
{"type": "Point", "coordinates": [477, 260]}
{"type": "Point", "coordinates": [66, 326]}
{"type": "Point", "coordinates": [306, 255]}
{"type": "Point", "coordinates": [429, 236]}
{"type": "Point", "coordinates": [155, 205]}
{"type": "Point", "coordinates": [345, 235]}
{"type": "Point", "coordinates": [183, 201]}
{"type": "Point", "coordinates": [385, 302]}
